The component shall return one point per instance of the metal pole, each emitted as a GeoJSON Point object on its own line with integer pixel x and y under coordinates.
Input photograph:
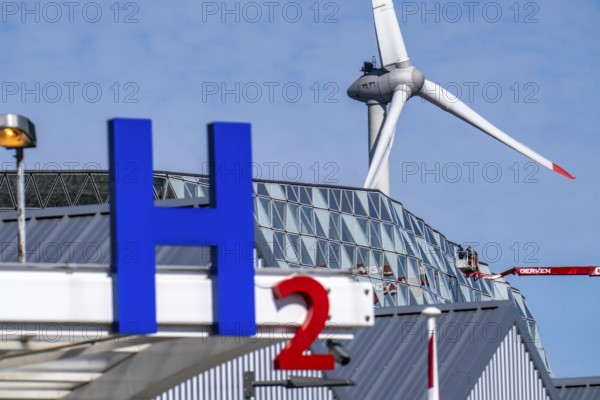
{"type": "Point", "coordinates": [377, 113]}
{"type": "Point", "coordinates": [21, 204]}
{"type": "Point", "coordinates": [433, 388]}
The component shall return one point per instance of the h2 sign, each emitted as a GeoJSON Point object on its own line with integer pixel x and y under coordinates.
{"type": "Point", "coordinates": [137, 226]}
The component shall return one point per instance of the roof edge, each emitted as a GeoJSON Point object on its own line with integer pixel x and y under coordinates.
{"type": "Point", "coordinates": [577, 381]}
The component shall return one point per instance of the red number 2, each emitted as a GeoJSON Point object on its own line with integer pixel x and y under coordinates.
{"type": "Point", "coordinates": [317, 307]}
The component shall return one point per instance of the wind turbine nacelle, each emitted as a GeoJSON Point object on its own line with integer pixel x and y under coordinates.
{"type": "Point", "coordinates": [379, 85]}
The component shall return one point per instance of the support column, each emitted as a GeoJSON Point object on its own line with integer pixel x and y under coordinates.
{"type": "Point", "coordinates": [377, 114]}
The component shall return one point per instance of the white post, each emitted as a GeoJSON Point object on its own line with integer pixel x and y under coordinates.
{"type": "Point", "coordinates": [21, 204]}
{"type": "Point", "coordinates": [433, 388]}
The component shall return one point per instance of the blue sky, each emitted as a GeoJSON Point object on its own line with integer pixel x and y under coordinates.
{"type": "Point", "coordinates": [532, 71]}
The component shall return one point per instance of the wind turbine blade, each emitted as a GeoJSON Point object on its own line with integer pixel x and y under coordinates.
{"type": "Point", "coordinates": [442, 98]}
{"type": "Point", "coordinates": [391, 45]}
{"type": "Point", "coordinates": [386, 138]}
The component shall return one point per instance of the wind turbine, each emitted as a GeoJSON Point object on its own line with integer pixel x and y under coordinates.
{"type": "Point", "coordinates": [394, 84]}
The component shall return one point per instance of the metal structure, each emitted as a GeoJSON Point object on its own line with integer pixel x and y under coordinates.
{"type": "Point", "coordinates": [486, 353]}
{"type": "Point", "coordinates": [182, 305]}
{"type": "Point", "coordinates": [65, 317]}
{"type": "Point", "coordinates": [587, 388]}
{"type": "Point", "coordinates": [230, 380]}
{"type": "Point", "coordinates": [395, 83]}
{"type": "Point", "coordinates": [590, 271]}
{"type": "Point", "coordinates": [292, 382]}
{"type": "Point", "coordinates": [297, 226]}
{"type": "Point", "coordinates": [18, 132]}
{"type": "Point", "coordinates": [360, 232]}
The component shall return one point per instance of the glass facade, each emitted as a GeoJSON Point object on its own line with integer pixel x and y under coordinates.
{"type": "Point", "coordinates": [312, 226]}
{"type": "Point", "coordinates": [407, 261]}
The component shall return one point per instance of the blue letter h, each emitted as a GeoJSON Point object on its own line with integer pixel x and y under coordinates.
{"type": "Point", "coordinates": [137, 226]}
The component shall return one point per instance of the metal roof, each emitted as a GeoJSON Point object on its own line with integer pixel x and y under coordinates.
{"type": "Point", "coordinates": [587, 388]}
{"type": "Point", "coordinates": [81, 235]}
{"type": "Point", "coordinates": [390, 358]}
{"type": "Point", "coordinates": [53, 370]}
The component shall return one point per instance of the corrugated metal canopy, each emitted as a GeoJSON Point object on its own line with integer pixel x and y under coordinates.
{"type": "Point", "coordinates": [39, 370]}
{"type": "Point", "coordinates": [390, 360]}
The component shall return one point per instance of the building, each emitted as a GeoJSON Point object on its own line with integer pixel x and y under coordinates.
{"type": "Point", "coordinates": [297, 226]}
{"type": "Point", "coordinates": [487, 354]}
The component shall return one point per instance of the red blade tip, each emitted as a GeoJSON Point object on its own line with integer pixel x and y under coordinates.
{"type": "Point", "coordinates": [561, 171]}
